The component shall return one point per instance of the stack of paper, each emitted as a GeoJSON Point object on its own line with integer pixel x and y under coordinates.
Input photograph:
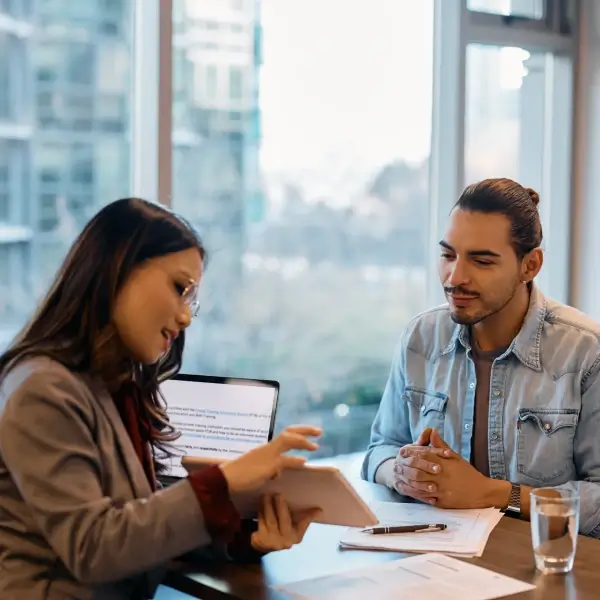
{"type": "Point", "coordinates": [415, 578]}
{"type": "Point", "coordinates": [466, 534]}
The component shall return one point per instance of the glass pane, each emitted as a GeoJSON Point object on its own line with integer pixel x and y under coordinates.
{"type": "Point", "coordinates": [305, 168]}
{"type": "Point", "coordinates": [69, 81]}
{"type": "Point", "coordinates": [504, 119]}
{"type": "Point", "coordinates": [532, 9]}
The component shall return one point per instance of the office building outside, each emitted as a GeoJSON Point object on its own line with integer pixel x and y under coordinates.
{"type": "Point", "coordinates": [65, 101]}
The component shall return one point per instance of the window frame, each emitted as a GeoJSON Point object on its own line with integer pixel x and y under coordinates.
{"type": "Point", "coordinates": [151, 122]}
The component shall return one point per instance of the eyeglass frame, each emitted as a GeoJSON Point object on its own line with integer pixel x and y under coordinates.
{"type": "Point", "coordinates": [190, 297]}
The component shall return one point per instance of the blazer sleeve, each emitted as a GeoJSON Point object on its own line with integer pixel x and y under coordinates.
{"type": "Point", "coordinates": [47, 444]}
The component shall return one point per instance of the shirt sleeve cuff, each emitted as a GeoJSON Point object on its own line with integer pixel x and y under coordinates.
{"type": "Point", "coordinates": [374, 458]}
{"type": "Point", "coordinates": [240, 548]}
{"type": "Point", "coordinates": [221, 518]}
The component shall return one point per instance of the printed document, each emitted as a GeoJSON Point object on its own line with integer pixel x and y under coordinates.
{"type": "Point", "coordinates": [466, 534]}
{"type": "Point", "coordinates": [415, 578]}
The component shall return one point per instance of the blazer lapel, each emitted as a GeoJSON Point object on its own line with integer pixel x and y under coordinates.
{"type": "Point", "coordinates": [135, 471]}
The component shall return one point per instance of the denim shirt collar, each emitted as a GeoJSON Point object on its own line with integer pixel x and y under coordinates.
{"type": "Point", "coordinates": [526, 345]}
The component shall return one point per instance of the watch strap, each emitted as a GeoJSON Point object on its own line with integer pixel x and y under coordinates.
{"type": "Point", "coordinates": [514, 500]}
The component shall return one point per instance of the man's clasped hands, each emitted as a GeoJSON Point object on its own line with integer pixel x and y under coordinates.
{"type": "Point", "coordinates": [430, 471]}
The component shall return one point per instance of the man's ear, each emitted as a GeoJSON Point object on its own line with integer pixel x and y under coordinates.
{"type": "Point", "coordinates": [532, 264]}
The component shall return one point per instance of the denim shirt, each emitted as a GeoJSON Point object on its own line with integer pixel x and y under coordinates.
{"type": "Point", "coordinates": [544, 413]}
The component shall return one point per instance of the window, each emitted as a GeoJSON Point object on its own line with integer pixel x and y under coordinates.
{"type": "Point", "coordinates": [531, 9]}
{"type": "Point", "coordinates": [111, 113]}
{"type": "Point", "coordinates": [310, 189]}
{"type": "Point", "coordinates": [82, 165]}
{"type": "Point", "coordinates": [48, 212]}
{"type": "Point", "coordinates": [5, 78]}
{"type": "Point", "coordinates": [80, 63]}
{"type": "Point", "coordinates": [236, 83]}
{"type": "Point", "coordinates": [75, 99]}
{"type": "Point", "coordinates": [318, 173]}
{"type": "Point", "coordinates": [113, 68]}
{"type": "Point", "coordinates": [504, 124]}
{"type": "Point", "coordinates": [5, 178]}
{"type": "Point", "coordinates": [49, 58]}
{"type": "Point", "coordinates": [16, 8]}
{"type": "Point", "coordinates": [210, 82]}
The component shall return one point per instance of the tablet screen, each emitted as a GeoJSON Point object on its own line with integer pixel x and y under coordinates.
{"type": "Point", "coordinates": [218, 417]}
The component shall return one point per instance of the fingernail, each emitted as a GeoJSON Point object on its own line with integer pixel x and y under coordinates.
{"type": "Point", "coordinates": [447, 453]}
{"type": "Point", "coordinates": [430, 488]}
{"type": "Point", "coordinates": [435, 468]}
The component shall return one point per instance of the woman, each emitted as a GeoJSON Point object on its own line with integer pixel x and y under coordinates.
{"type": "Point", "coordinates": [82, 428]}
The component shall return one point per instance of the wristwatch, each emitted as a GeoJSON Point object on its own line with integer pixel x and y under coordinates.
{"type": "Point", "coordinates": [514, 501]}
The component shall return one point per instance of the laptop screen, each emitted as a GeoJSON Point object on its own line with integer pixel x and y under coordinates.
{"type": "Point", "coordinates": [218, 417]}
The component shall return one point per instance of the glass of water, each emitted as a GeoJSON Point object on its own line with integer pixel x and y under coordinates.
{"type": "Point", "coordinates": [554, 527]}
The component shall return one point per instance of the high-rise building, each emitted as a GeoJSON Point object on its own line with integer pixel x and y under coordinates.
{"type": "Point", "coordinates": [65, 101]}
{"type": "Point", "coordinates": [16, 139]}
{"type": "Point", "coordinates": [216, 130]}
{"type": "Point", "coordinates": [81, 54]}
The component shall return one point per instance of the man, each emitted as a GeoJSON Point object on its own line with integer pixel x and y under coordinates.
{"type": "Point", "coordinates": [496, 392]}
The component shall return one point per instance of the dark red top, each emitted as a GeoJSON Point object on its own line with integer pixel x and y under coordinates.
{"type": "Point", "coordinates": [222, 519]}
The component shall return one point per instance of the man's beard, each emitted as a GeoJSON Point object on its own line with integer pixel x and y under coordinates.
{"type": "Point", "coordinates": [470, 320]}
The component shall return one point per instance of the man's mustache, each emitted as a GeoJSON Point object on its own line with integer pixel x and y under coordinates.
{"type": "Point", "coordinates": [459, 291]}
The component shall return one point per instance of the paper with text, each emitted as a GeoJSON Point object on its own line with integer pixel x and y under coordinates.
{"type": "Point", "coordinates": [415, 578]}
{"type": "Point", "coordinates": [217, 420]}
{"type": "Point", "coordinates": [466, 535]}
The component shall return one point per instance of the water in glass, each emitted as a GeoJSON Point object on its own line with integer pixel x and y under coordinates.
{"type": "Point", "coordinates": [554, 526]}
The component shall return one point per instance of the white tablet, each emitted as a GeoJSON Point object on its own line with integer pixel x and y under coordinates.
{"type": "Point", "coordinates": [305, 487]}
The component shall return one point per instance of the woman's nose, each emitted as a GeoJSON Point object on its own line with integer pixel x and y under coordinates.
{"type": "Point", "coordinates": [184, 318]}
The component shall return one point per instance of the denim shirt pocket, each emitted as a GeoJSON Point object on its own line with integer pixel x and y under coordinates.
{"type": "Point", "coordinates": [427, 408]}
{"type": "Point", "coordinates": [545, 443]}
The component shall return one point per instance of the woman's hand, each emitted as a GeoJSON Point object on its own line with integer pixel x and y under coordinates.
{"type": "Point", "coordinates": [254, 468]}
{"type": "Point", "coordinates": [277, 530]}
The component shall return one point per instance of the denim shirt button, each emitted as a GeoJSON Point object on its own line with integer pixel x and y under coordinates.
{"type": "Point", "coordinates": [547, 426]}
{"type": "Point", "coordinates": [494, 436]}
{"type": "Point", "coordinates": [422, 409]}
{"type": "Point", "coordinates": [471, 385]}
{"type": "Point", "coordinates": [496, 392]}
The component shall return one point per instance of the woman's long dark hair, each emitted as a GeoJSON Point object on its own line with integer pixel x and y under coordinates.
{"type": "Point", "coordinates": [73, 324]}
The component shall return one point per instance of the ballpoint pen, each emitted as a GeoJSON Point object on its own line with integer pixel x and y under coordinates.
{"type": "Point", "coordinates": [405, 528]}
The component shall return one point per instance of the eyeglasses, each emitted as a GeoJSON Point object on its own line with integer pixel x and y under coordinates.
{"type": "Point", "coordinates": [190, 298]}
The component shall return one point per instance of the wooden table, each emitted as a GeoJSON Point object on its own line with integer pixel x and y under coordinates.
{"type": "Point", "coordinates": [508, 551]}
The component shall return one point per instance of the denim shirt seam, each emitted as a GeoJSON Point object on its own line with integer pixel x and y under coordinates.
{"type": "Point", "coordinates": [590, 372]}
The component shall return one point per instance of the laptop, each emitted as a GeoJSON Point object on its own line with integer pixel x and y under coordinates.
{"type": "Point", "coordinates": [218, 417]}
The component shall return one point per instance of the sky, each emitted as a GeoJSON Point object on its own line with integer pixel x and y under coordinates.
{"type": "Point", "coordinates": [345, 80]}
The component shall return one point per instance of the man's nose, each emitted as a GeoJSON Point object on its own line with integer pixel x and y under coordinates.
{"type": "Point", "coordinates": [458, 274]}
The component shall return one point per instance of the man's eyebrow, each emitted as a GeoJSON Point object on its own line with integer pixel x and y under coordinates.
{"type": "Point", "coordinates": [472, 253]}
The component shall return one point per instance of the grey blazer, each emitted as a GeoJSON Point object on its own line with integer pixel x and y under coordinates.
{"type": "Point", "coordinates": [78, 519]}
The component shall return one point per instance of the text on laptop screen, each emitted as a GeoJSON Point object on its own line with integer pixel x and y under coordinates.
{"type": "Point", "coordinates": [217, 420]}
